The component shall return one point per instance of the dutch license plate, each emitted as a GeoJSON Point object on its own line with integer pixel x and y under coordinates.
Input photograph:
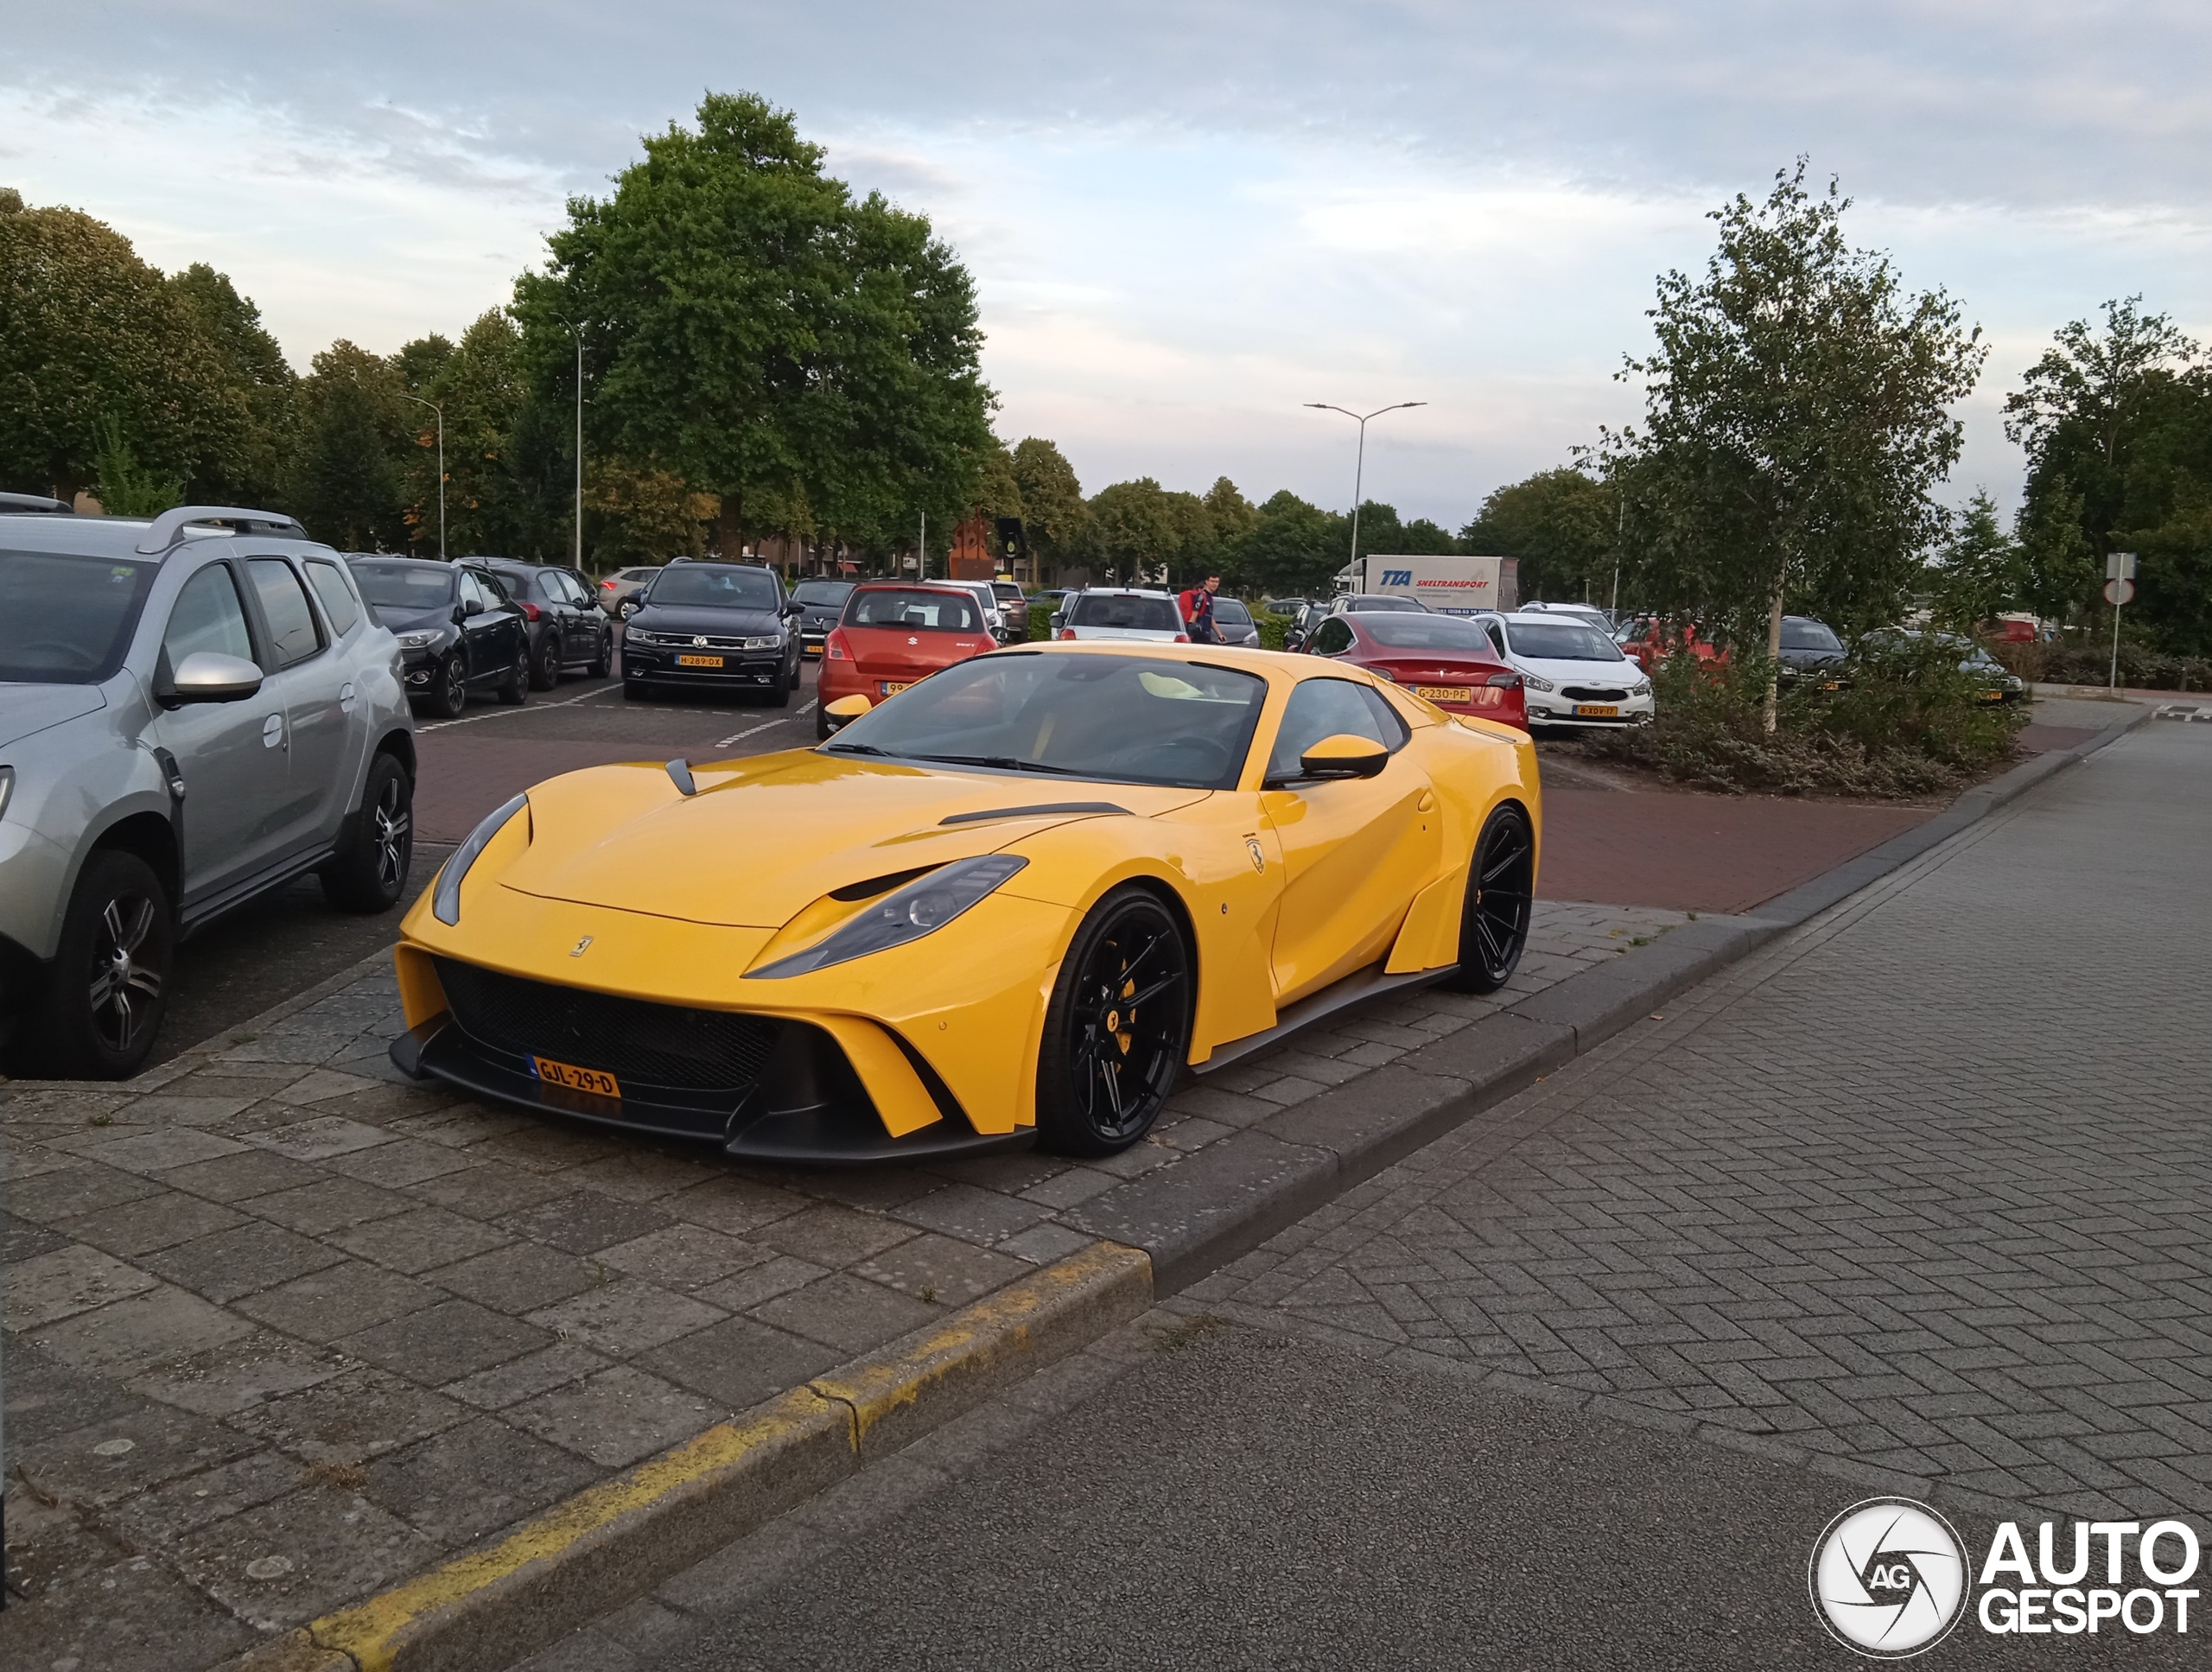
{"type": "Point", "coordinates": [1444, 693]}
{"type": "Point", "coordinates": [698, 661]}
{"type": "Point", "coordinates": [893, 687]}
{"type": "Point", "coordinates": [574, 1079]}
{"type": "Point", "coordinates": [1598, 710]}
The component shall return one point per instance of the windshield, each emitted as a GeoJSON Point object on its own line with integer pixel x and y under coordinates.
{"type": "Point", "coordinates": [710, 585]}
{"type": "Point", "coordinates": [1229, 612]}
{"type": "Point", "coordinates": [914, 607]}
{"type": "Point", "coordinates": [1125, 611]}
{"type": "Point", "coordinates": [1385, 603]}
{"type": "Point", "coordinates": [1560, 641]}
{"type": "Point", "coordinates": [405, 588]}
{"type": "Point", "coordinates": [68, 619]}
{"type": "Point", "coordinates": [1437, 632]}
{"type": "Point", "coordinates": [1808, 636]}
{"type": "Point", "coordinates": [1122, 719]}
{"type": "Point", "coordinates": [822, 592]}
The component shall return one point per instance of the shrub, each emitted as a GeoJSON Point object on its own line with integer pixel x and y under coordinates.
{"type": "Point", "coordinates": [1272, 627]}
{"type": "Point", "coordinates": [1908, 720]}
{"type": "Point", "coordinates": [2088, 664]}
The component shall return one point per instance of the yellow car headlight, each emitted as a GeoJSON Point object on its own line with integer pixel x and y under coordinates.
{"type": "Point", "coordinates": [920, 908]}
{"type": "Point", "coordinates": [445, 900]}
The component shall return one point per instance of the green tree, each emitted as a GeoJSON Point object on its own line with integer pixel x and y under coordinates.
{"type": "Point", "coordinates": [1797, 423]}
{"type": "Point", "coordinates": [256, 368]}
{"type": "Point", "coordinates": [1979, 570]}
{"type": "Point", "coordinates": [998, 488]}
{"type": "Point", "coordinates": [1560, 526]}
{"type": "Point", "coordinates": [1134, 528]}
{"type": "Point", "coordinates": [751, 328]}
{"type": "Point", "coordinates": [1051, 498]}
{"type": "Point", "coordinates": [1423, 537]}
{"type": "Point", "coordinates": [1294, 549]}
{"type": "Point", "coordinates": [122, 485]}
{"type": "Point", "coordinates": [90, 334]}
{"type": "Point", "coordinates": [343, 477]}
{"type": "Point", "coordinates": [2117, 425]}
{"type": "Point", "coordinates": [652, 515]}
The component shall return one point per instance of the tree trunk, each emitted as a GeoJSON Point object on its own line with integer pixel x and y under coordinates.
{"type": "Point", "coordinates": [1774, 653]}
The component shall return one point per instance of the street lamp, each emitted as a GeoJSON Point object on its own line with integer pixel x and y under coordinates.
{"type": "Point", "coordinates": [577, 331]}
{"type": "Point", "coordinates": [441, 411]}
{"type": "Point", "coordinates": [1359, 470]}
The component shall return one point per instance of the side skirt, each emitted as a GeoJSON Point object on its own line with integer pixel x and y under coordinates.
{"type": "Point", "coordinates": [1355, 988]}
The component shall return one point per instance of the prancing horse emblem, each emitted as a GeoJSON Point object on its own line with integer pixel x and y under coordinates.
{"type": "Point", "coordinates": [581, 948]}
{"type": "Point", "coordinates": [1259, 855]}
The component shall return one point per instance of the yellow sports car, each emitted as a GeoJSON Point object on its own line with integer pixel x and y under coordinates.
{"type": "Point", "coordinates": [1010, 904]}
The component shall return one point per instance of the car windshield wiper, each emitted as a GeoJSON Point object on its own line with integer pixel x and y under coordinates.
{"type": "Point", "coordinates": [857, 749]}
{"type": "Point", "coordinates": [1005, 762]}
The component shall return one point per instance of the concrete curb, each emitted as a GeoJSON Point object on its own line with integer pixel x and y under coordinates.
{"type": "Point", "coordinates": [614, 1542]}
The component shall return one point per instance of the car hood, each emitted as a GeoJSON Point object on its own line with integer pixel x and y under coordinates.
{"type": "Point", "coordinates": [28, 709]}
{"type": "Point", "coordinates": [1562, 671]}
{"type": "Point", "coordinates": [413, 621]}
{"type": "Point", "coordinates": [709, 620]}
{"type": "Point", "coordinates": [766, 836]}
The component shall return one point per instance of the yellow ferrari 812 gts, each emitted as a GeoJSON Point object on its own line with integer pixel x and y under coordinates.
{"type": "Point", "coordinates": [1010, 904]}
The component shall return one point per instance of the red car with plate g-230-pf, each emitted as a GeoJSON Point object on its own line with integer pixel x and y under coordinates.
{"type": "Point", "coordinates": [892, 633]}
{"type": "Point", "coordinates": [1446, 660]}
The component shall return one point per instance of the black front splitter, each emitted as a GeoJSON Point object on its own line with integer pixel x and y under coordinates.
{"type": "Point", "coordinates": [437, 1050]}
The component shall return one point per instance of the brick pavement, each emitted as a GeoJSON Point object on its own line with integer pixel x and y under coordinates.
{"type": "Point", "coordinates": [283, 1328]}
{"type": "Point", "coordinates": [1922, 1192]}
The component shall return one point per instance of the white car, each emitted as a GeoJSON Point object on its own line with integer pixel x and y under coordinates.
{"type": "Point", "coordinates": [1572, 675]}
{"type": "Point", "coordinates": [1136, 613]}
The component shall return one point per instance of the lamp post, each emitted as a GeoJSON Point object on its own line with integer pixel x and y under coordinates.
{"type": "Point", "coordinates": [1359, 469]}
{"type": "Point", "coordinates": [577, 332]}
{"type": "Point", "coordinates": [441, 411]}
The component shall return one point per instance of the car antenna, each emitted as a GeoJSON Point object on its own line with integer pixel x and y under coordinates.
{"type": "Point", "coordinates": [679, 773]}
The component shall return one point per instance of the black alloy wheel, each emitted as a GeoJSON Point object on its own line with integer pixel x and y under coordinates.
{"type": "Point", "coordinates": [514, 689]}
{"type": "Point", "coordinates": [109, 982]}
{"type": "Point", "coordinates": [371, 873]}
{"type": "Point", "coordinates": [545, 669]}
{"type": "Point", "coordinates": [448, 688]}
{"type": "Point", "coordinates": [1118, 1030]}
{"type": "Point", "coordinates": [1501, 890]}
{"type": "Point", "coordinates": [603, 657]}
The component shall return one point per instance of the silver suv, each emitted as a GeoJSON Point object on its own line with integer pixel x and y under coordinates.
{"type": "Point", "coordinates": [193, 710]}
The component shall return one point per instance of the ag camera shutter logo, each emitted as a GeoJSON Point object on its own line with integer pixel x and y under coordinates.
{"type": "Point", "coordinates": [1888, 1578]}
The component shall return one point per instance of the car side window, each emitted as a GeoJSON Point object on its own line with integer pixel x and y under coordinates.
{"type": "Point", "coordinates": [207, 616]}
{"type": "Point", "coordinates": [473, 591]}
{"type": "Point", "coordinates": [1319, 709]}
{"type": "Point", "coordinates": [292, 632]}
{"type": "Point", "coordinates": [1334, 638]}
{"type": "Point", "coordinates": [1497, 635]}
{"type": "Point", "coordinates": [1388, 720]}
{"type": "Point", "coordinates": [334, 596]}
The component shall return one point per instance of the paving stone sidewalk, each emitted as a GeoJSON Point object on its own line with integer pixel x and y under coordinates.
{"type": "Point", "coordinates": [1922, 1192]}
{"type": "Point", "coordinates": [283, 1328]}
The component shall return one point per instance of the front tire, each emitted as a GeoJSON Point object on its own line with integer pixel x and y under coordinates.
{"type": "Point", "coordinates": [605, 659]}
{"type": "Point", "coordinates": [545, 666]}
{"type": "Point", "coordinates": [1501, 889]}
{"type": "Point", "coordinates": [109, 982]}
{"type": "Point", "coordinates": [1117, 1032]}
{"type": "Point", "coordinates": [514, 689]}
{"type": "Point", "coordinates": [371, 873]}
{"type": "Point", "coordinates": [448, 690]}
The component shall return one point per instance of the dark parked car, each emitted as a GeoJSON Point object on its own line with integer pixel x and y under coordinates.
{"type": "Point", "coordinates": [1235, 623]}
{"type": "Point", "coordinates": [1349, 603]}
{"type": "Point", "coordinates": [1013, 613]}
{"type": "Point", "coordinates": [820, 602]}
{"type": "Point", "coordinates": [713, 626]}
{"type": "Point", "coordinates": [567, 628]}
{"type": "Point", "coordinates": [456, 627]}
{"type": "Point", "coordinates": [1994, 682]}
{"type": "Point", "coordinates": [1810, 649]}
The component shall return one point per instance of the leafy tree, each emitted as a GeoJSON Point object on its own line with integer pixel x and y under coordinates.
{"type": "Point", "coordinates": [122, 485]}
{"type": "Point", "coordinates": [254, 367]}
{"type": "Point", "coordinates": [1422, 537]}
{"type": "Point", "coordinates": [1562, 527]}
{"type": "Point", "coordinates": [343, 479]}
{"type": "Point", "coordinates": [1796, 422]}
{"type": "Point", "coordinates": [1132, 528]}
{"type": "Point", "coordinates": [1293, 547]}
{"type": "Point", "coordinates": [652, 514]}
{"type": "Point", "coordinates": [2117, 425]}
{"type": "Point", "coordinates": [998, 489]}
{"type": "Point", "coordinates": [90, 334]}
{"type": "Point", "coordinates": [1052, 510]}
{"type": "Point", "coordinates": [1979, 571]}
{"type": "Point", "coordinates": [748, 326]}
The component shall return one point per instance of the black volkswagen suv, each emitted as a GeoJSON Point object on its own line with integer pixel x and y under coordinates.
{"type": "Point", "coordinates": [713, 626]}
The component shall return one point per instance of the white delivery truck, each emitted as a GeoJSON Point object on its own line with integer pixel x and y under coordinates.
{"type": "Point", "coordinates": [1449, 586]}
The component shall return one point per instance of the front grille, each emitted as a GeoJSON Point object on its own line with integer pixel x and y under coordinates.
{"type": "Point", "coordinates": [636, 1039]}
{"type": "Point", "coordinates": [695, 641]}
{"type": "Point", "coordinates": [1593, 693]}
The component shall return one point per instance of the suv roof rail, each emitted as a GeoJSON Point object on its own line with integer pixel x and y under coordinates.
{"type": "Point", "coordinates": [168, 528]}
{"type": "Point", "coordinates": [36, 504]}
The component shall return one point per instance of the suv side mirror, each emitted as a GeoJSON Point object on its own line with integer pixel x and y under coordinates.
{"type": "Point", "coordinates": [471, 607]}
{"type": "Point", "coordinates": [212, 676]}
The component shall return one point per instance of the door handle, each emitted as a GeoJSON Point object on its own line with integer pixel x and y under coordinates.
{"type": "Point", "coordinates": [346, 697]}
{"type": "Point", "coordinates": [273, 732]}
{"type": "Point", "coordinates": [1428, 802]}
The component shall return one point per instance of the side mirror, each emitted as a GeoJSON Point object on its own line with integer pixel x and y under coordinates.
{"type": "Point", "coordinates": [846, 709]}
{"type": "Point", "coordinates": [471, 607]}
{"type": "Point", "coordinates": [791, 608]}
{"type": "Point", "coordinates": [211, 677]}
{"type": "Point", "coordinates": [1059, 619]}
{"type": "Point", "coordinates": [1344, 756]}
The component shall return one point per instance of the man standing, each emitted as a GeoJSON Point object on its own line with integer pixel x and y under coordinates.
{"type": "Point", "coordinates": [1197, 611]}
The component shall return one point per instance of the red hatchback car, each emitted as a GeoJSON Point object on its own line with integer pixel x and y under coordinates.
{"type": "Point", "coordinates": [1446, 660]}
{"type": "Point", "coordinates": [892, 633]}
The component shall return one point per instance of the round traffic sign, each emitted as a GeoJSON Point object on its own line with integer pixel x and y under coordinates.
{"type": "Point", "coordinates": [2120, 592]}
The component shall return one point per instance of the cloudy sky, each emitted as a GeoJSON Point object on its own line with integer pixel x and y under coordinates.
{"type": "Point", "coordinates": [1184, 218]}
